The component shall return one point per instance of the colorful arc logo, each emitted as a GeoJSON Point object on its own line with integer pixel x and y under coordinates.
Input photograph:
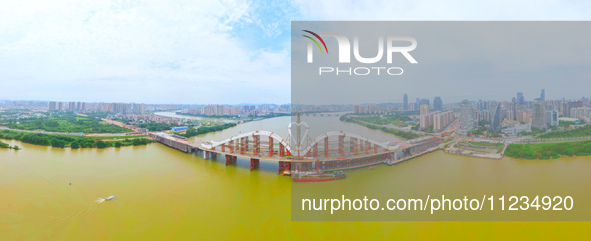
{"type": "Point", "coordinates": [319, 38]}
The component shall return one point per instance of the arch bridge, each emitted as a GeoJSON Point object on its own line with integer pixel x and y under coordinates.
{"type": "Point", "coordinates": [333, 150]}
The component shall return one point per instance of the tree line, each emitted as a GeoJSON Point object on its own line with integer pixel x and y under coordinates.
{"type": "Point", "coordinates": [6, 146]}
{"type": "Point", "coordinates": [549, 150]}
{"type": "Point", "coordinates": [206, 129]}
{"type": "Point", "coordinates": [74, 142]}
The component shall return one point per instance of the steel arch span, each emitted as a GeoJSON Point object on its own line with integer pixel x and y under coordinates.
{"type": "Point", "coordinates": [268, 134]}
{"type": "Point", "coordinates": [342, 134]}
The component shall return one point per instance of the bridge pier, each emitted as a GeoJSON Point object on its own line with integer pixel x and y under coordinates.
{"type": "Point", "coordinates": [270, 146]}
{"type": "Point", "coordinates": [256, 148]}
{"type": "Point", "coordinates": [205, 154]}
{"type": "Point", "coordinates": [254, 163]}
{"type": "Point", "coordinates": [281, 150]}
{"type": "Point", "coordinates": [326, 153]}
{"type": "Point", "coordinates": [342, 146]}
{"type": "Point", "coordinates": [315, 150]}
{"type": "Point", "coordinates": [230, 159]}
{"type": "Point", "coordinates": [283, 166]}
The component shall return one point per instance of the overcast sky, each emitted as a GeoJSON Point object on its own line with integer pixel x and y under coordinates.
{"type": "Point", "coordinates": [194, 51]}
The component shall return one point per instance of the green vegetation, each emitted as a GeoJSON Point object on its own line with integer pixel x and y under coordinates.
{"type": "Point", "coordinates": [207, 116]}
{"type": "Point", "coordinates": [534, 131]}
{"type": "Point", "coordinates": [486, 144]}
{"type": "Point", "coordinates": [66, 122]}
{"type": "Point", "coordinates": [577, 132]}
{"type": "Point", "coordinates": [114, 137]}
{"type": "Point", "coordinates": [549, 151]}
{"type": "Point", "coordinates": [6, 146]}
{"type": "Point", "coordinates": [478, 132]}
{"type": "Point", "coordinates": [403, 134]}
{"type": "Point", "coordinates": [156, 126]}
{"type": "Point", "coordinates": [481, 130]}
{"type": "Point", "coordinates": [206, 129]}
{"type": "Point", "coordinates": [62, 141]}
{"type": "Point", "coordinates": [396, 119]}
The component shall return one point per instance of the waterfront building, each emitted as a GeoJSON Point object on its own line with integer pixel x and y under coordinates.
{"type": "Point", "coordinates": [467, 122]}
{"type": "Point", "coordinates": [495, 120]}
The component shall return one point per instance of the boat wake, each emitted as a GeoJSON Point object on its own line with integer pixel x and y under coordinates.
{"type": "Point", "coordinates": [100, 200]}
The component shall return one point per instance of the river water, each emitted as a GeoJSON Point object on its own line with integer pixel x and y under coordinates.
{"type": "Point", "coordinates": [163, 194]}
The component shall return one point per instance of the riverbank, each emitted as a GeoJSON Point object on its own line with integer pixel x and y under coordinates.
{"type": "Point", "coordinates": [74, 142]}
{"type": "Point", "coordinates": [7, 146]}
{"type": "Point", "coordinates": [402, 134]}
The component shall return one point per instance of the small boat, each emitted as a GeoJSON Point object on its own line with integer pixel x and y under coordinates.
{"type": "Point", "coordinates": [319, 177]}
{"type": "Point", "coordinates": [110, 198]}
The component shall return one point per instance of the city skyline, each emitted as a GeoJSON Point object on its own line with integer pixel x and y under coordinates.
{"type": "Point", "coordinates": [457, 100]}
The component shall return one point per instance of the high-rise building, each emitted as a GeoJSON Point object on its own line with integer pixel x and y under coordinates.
{"type": "Point", "coordinates": [437, 104]}
{"type": "Point", "coordinates": [425, 118]}
{"type": "Point", "coordinates": [424, 102]}
{"type": "Point", "coordinates": [52, 106]}
{"type": "Point", "coordinates": [424, 109]}
{"type": "Point", "coordinates": [405, 102]}
{"type": "Point", "coordinates": [139, 109]}
{"type": "Point", "coordinates": [495, 120]}
{"type": "Point", "coordinates": [72, 106]}
{"type": "Point", "coordinates": [442, 119]}
{"type": "Point", "coordinates": [539, 116]}
{"type": "Point", "coordinates": [543, 95]}
{"type": "Point", "coordinates": [520, 98]}
{"type": "Point", "coordinates": [467, 122]}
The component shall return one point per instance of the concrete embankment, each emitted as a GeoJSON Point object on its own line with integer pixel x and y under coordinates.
{"type": "Point", "coordinates": [454, 150]}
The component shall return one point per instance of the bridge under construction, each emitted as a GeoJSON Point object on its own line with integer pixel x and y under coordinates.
{"type": "Point", "coordinates": [334, 150]}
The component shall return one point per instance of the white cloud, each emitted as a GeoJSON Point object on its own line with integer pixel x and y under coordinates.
{"type": "Point", "coordinates": [220, 51]}
{"type": "Point", "coordinates": [133, 51]}
{"type": "Point", "coordinates": [445, 10]}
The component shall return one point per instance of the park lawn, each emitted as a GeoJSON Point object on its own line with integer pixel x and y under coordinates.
{"type": "Point", "coordinates": [486, 144]}
{"type": "Point", "coordinates": [549, 150]}
{"type": "Point", "coordinates": [68, 123]}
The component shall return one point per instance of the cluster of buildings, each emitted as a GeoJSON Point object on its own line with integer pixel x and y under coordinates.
{"type": "Point", "coordinates": [521, 115]}
{"type": "Point", "coordinates": [320, 108]}
{"type": "Point", "coordinates": [367, 109]}
{"type": "Point", "coordinates": [438, 120]}
{"type": "Point", "coordinates": [406, 106]}
{"type": "Point", "coordinates": [236, 110]}
{"type": "Point", "coordinates": [120, 108]}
